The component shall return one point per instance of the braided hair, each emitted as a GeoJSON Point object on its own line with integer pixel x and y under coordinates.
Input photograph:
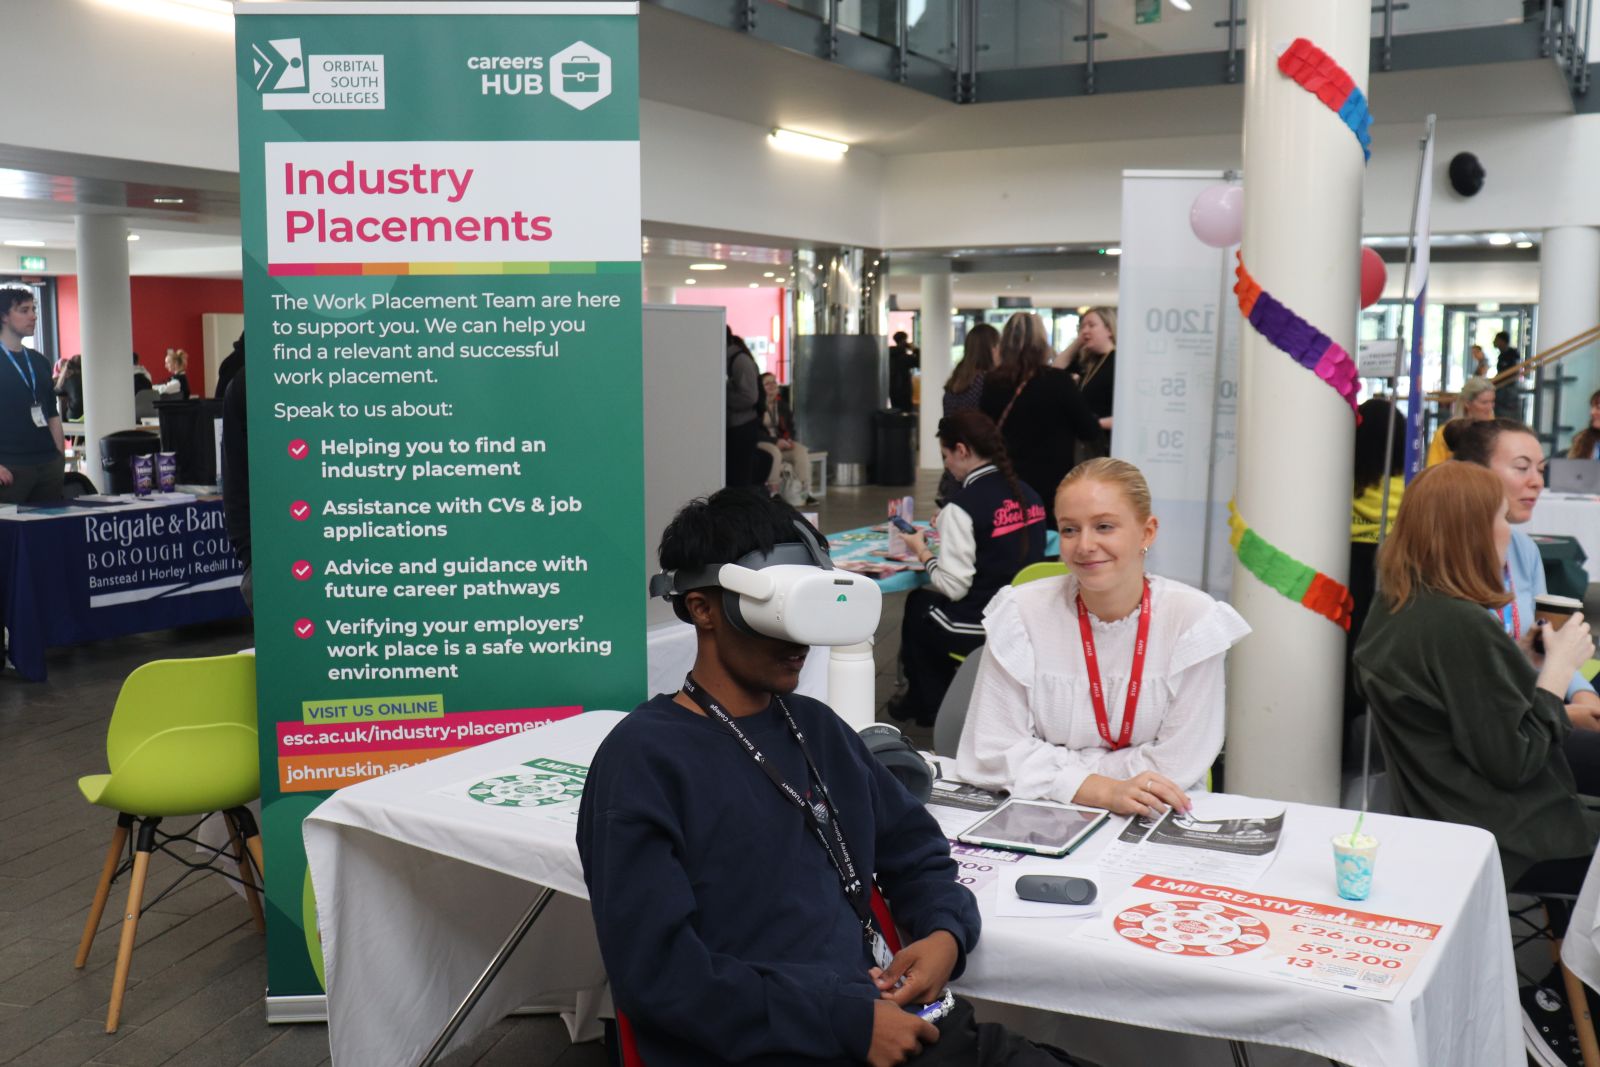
{"type": "Point", "coordinates": [982, 437]}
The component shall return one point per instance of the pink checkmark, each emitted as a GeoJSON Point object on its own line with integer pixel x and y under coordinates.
{"type": "Point", "coordinates": [300, 511]}
{"type": "Point", "coordinates": [302, 569]}
{"type": "Point", "coordinates": [304, 628]}
{"type": "Point", "coordinates": [298, 449]}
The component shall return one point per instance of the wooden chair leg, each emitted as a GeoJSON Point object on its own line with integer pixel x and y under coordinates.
{"type": "Point", "coordinates": [236, 846]}
{"type": "Point", "coordinates": [253, 843]}
{"type": "Point", "coordinates": [119, 839]}
{"type": "Point", "coordinates": [1579, 1000]}
{"type": "Point", "coordinates": [252, 836]}
{"type": "Point", "coordinates": [130, 920]}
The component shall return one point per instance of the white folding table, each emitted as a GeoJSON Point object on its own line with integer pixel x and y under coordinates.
{"type": "Point", "coordinates": [417, 890]}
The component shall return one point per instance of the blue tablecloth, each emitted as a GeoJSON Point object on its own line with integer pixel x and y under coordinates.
{"type": "Point", "coordinates": [867, 544]}
{"type": "Point", "coordinates": [74, 575]}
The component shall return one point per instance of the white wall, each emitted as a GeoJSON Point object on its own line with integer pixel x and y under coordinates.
{"type": "Point", "coordinates": [1541, 173]}
{"type": "Point", "coordinates": [704, 170]}
{"type": "Point", "coordinates": [100, 80]}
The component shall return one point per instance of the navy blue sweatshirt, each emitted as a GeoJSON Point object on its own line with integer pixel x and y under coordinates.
{"type": "Point", "coordinates": [724, 929]}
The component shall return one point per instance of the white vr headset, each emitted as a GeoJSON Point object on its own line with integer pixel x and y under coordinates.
{"type": "Point", "coordinates": [793, 593]}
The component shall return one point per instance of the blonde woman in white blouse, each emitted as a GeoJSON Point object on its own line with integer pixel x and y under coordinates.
{"type": "Point", "coordinates": [1035, 727]}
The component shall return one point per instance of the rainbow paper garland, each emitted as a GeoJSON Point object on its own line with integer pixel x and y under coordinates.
{"type": "Point", "coordinates": [1316, 72]}
{"type": "Point", "coordinates": [1287, 575]}
{"type": "Point", "coordinates": [1307, 345]}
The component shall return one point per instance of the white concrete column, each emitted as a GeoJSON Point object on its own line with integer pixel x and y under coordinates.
{"type": "Point", "coordinates": [1569, 304]}
{"type": "Point", "coordinates": [658, 294]}
{"type": "Point", "coordinates": [105, 315]}
{"type": "Point", "coordinates": [1302, 242]}
{"type": "Point", "coordinates": [938, 297]}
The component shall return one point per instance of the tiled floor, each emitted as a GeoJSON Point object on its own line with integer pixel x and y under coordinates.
{"type": "Point", "coordinates": [199, 972]}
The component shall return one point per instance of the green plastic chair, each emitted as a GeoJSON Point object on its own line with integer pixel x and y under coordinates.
{"type": "Point", "coordinates": [182, 742]}
{"type": "Point", "coordinates": [1049, 568]}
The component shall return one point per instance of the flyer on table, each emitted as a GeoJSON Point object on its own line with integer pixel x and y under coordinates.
{"type": "Point", "coordinates": [1349, 951]}
{"type": "Point", "coordinates": [440, 222]}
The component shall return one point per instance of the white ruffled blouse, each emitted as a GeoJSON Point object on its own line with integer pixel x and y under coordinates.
{"type": "Point", "coordinates": [1031, 726]}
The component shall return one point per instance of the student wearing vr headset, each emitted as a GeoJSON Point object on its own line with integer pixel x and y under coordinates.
{"type": "Point", "coordinates": [730, 833]}
{"type": "Point", "coordinates": [1102, 687]}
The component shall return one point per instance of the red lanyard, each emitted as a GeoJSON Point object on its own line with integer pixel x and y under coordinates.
{"type": "Point", "coordinates": [1510, 614]}
{"type": "Point", "coordinates": [1135, 674]}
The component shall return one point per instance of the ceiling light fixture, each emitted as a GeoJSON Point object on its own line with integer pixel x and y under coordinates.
{"type": "Point", "coordinates": [755, 285]}
{"type": "Point", "coordinates": [26, 244]}
{"type": "Point", "coordinates": [1113, 251]}
{"type": "Point", "coordinates": [133, 237]}
{"type": "Point", "coordinates": [768, 274]}
{"type": "Point", "coordinates": [688, 281]}
{"type": "Point", "coordinates": [805, 144]}
{"type": "Point", "coordinates": [1183, 5]}
{"type": "Point", "coordinates": [1524, 244]}
{"type": "Point", "coordinates": [1499, 239]}
{"type": "Point", "coordinates": [203, 14]}
{"type": "Point", "coordinates": [166, 200]}
{"type": "Point", "coordinates": [708, 266]}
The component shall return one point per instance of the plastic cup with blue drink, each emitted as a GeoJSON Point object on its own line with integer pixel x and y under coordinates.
{"type": "Point", "coordinates": [1354, 856]}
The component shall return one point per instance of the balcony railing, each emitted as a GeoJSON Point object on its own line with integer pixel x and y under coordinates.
{"type": "Point", "coordinates": [972, 50]}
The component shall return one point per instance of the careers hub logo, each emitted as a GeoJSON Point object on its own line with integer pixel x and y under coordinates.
{"type": "Point", "coordinates": [580, 75]}
{"type": "Point", "coordinates": [290, 80]}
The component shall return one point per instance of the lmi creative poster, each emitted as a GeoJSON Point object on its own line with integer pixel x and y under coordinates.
{"type": "Point", "coordinates": [440, 215]}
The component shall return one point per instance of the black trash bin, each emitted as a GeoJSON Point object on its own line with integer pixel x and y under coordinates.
{"type": "Point", "coordinates": [116, 456]}
{"type": "Point", "coordinates": [894, 447]}
{"type": "Point", "coordinates": [188, 428]}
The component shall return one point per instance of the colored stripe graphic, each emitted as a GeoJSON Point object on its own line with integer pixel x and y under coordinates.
{"type": "Point", "coordinates": [326, 270]}
{"type": "Point", "coordinates": [1287, 575]}
{"type": "Point", "coordinates": [1317, 73]}
{"type": "Point", "coordinates": [1288, 332]}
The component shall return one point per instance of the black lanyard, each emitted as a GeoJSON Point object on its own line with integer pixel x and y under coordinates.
{"type": "Point", "coordinates": [855, 890]}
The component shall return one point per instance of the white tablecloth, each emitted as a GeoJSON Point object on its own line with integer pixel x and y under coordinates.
{"type": "Point", "coordinates": [1574, 515]}
{"type": "Point", "coordinates": [416, 891]}
{"type": "Point", "coordinates": [1580, 950]}
{"type": "Point", "coordinates": [1460, 1007]}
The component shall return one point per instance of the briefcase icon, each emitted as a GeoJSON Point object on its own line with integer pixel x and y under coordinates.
{"type": "Point", "coordinates": [580, 74]}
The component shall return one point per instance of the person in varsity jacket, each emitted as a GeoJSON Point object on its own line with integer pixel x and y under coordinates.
{"type": "Point", "coordinates": [992, 527]}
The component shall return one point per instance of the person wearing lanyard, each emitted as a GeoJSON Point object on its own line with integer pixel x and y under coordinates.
{"type": "Point", "coordinates": [32, 463]}
{"type": "Point", "coordinates": [1510, 449]}
{"type": "Point", "coordinates": [1102, 687]}
{"type": "Point", "coordinates": [729, 834]}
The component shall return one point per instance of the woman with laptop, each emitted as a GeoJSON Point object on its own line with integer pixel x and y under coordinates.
{"type": "Point", "coordinates": [1104, 686]}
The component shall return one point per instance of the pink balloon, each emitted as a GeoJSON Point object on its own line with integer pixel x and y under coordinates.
{"type": "Point", "coordinates": [1373, 276]}
{"type": "Point", "coordinates": [1217, 215]}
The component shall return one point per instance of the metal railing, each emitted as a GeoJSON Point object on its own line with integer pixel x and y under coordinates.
{"type": "Point", "coordinates": [1550, 381]}
{"type": "Point", "coordinates": [967, 50]}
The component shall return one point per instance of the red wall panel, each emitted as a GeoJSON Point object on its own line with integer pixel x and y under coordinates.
{"type": "Point", "coordinates": [166, 314]}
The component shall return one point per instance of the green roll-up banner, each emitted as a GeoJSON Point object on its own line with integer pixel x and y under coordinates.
{"type": "Point", "coordinates": [440, 221]}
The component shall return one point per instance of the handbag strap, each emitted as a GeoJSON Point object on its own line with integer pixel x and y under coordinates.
{"type": "Point", "coordinates": [1001, 421]}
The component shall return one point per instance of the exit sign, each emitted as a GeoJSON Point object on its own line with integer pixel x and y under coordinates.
{"type": "Point", "coordinates": [31, 262]}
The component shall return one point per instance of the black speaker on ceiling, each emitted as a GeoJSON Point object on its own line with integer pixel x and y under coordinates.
{"type": "Point", "coordinates": [1466, 174]}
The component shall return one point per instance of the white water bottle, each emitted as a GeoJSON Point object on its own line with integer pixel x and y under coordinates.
{"type": "Point", "coordinates": [851, 678]}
